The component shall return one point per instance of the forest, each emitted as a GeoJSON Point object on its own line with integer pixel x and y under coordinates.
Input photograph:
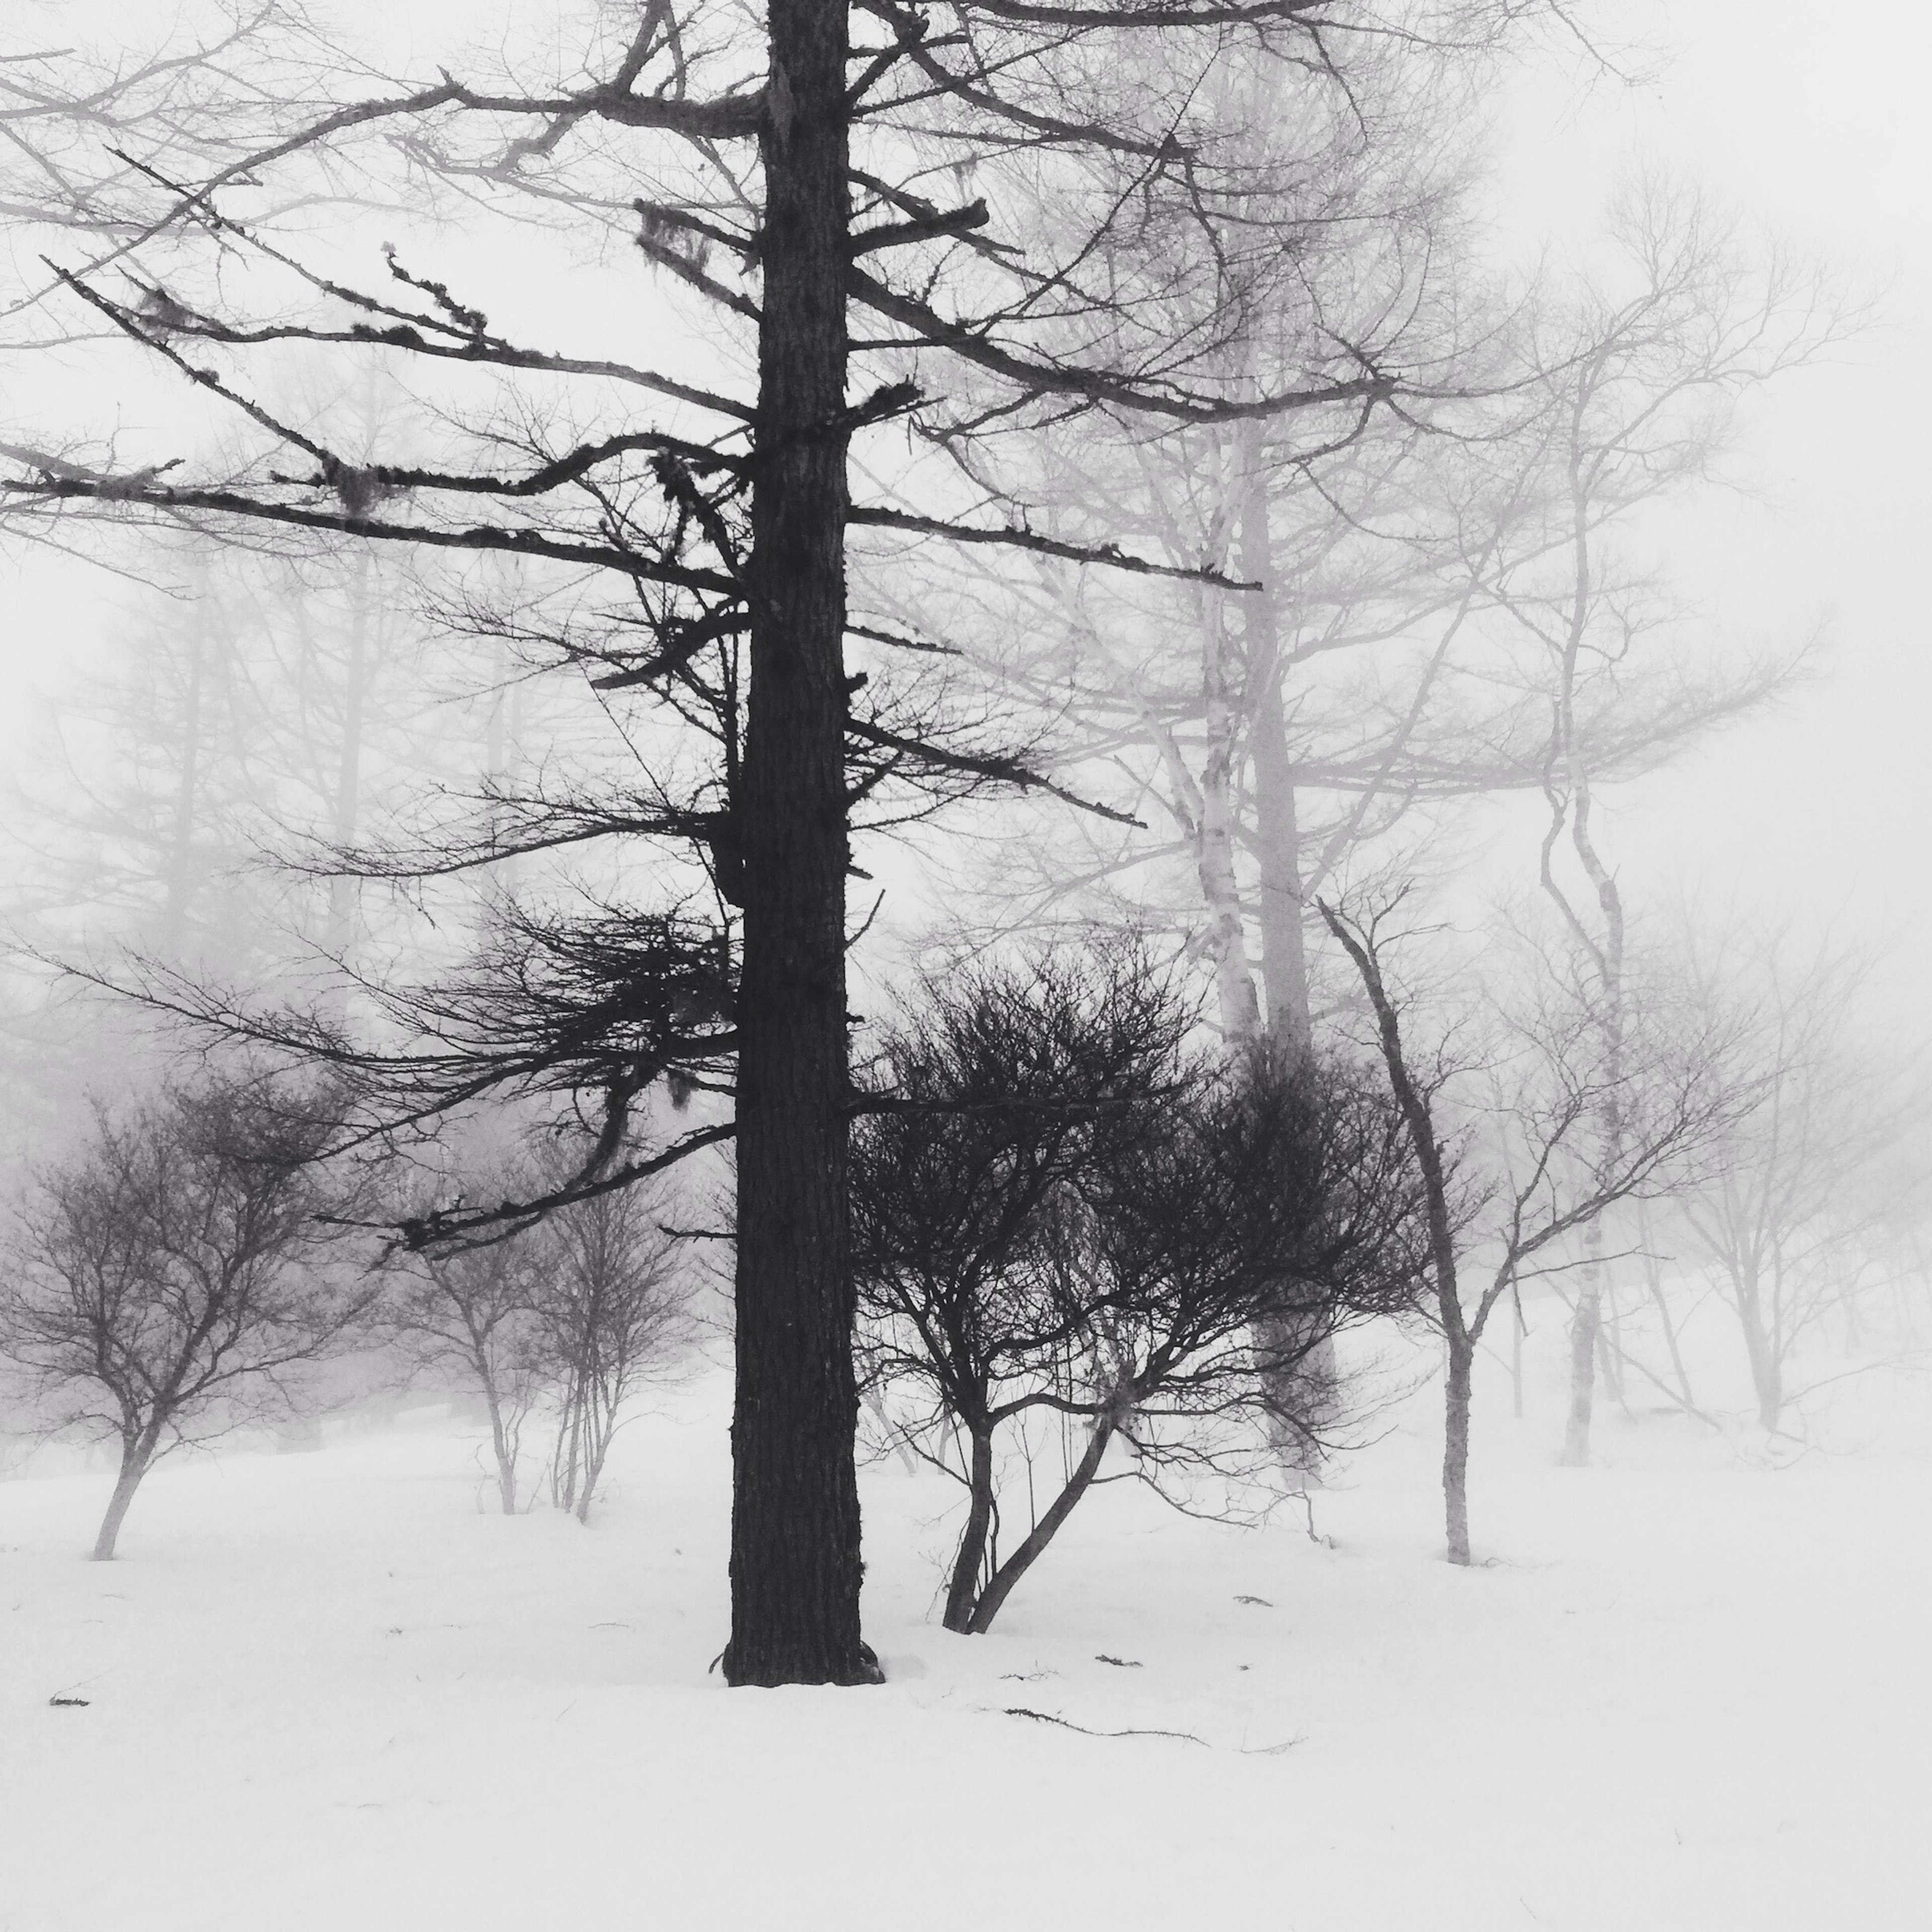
{"type": "Point", "coordinates": [1043, 868]}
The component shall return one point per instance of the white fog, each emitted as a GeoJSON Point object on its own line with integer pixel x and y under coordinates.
{"type": "Point", "coordinates": [961, 962]}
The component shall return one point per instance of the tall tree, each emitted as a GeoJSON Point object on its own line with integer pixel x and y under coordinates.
{"type": "Point", "coordinates": [807, 157]}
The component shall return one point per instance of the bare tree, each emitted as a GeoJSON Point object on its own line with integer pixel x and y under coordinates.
{"type": "Point", "coordinates": [782, 179]}
{"type": "Point", "coordinates": [1441, 619]}
{"type": "Point", "coordinates": [475, 1310]}
{"type": "Point", "coordinates": [1662, 338]}
{"type": "Point", "coordinates": [1789, 1214]}
{"type": "Point", "coordinates": [1059, 1215]}
{"type": "Point", "coordinates": [613, 1315]}
{"type": "Point", "coordinates": [1512, 1170]}
{"type": "Point", "coordinates": [993, 1091]}
{"type": "Point", "coordinates": [165, 1277]}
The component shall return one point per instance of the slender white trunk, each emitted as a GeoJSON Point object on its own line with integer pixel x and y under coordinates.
{"type": "Point", "coordinates": [1606, 946]}
{"type": "Point", "coordinates": [340, 929]}
{"type": "Point", "coordinates": [1305, 1391]}
{"type": "Point", "coordinates": [179, 880]}
{"type": "Point", "coordinates": [1214, 832]}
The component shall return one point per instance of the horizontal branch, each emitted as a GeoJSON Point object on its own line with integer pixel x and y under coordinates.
{"type": "Point", "coordinates": [1124, 392]}
{"type": "Point", "coordinates": [560, 470]}
{"type": "Point", "coordinates": [444, 1227]}
{"type": "Point", "coordinates": [1000, 770]}
{"type": "Point", "coordinates": [924, 228]}
{"type": "Point", "coordinates": [1161, 13]}
{"type": "Point", "coordinates": [61, 480]}
{"type": "Point", "coordinates": [1110, 554]}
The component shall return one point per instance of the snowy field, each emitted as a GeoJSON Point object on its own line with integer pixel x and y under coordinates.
{"type": "Point", "coordinates": [1688, 1689]}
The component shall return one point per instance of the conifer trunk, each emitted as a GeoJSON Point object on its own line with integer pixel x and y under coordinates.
{"type": "Point", "coordinates": [795, 1561]}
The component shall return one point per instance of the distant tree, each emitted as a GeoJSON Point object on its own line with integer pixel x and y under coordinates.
{"type": "Point", "coordinates": [164, 1277]}
{"type": "Point", "coordinates": [129, 810]}
{"type": "Point", "coordinates": [475, 1310]}
{"type": "Point", "coordinates": [613, 1306]}
{"type": "Point", "coordinates": [1503, 1135]}
{"type": "Point", "coordinates": [1059, 1212]}
{"type": "Point", "coordinates": [1443, 618]}
{"type": "Point", "coordinates": [1789, 1215]}
{"type": "Point", "coordinates": [1676, 319]}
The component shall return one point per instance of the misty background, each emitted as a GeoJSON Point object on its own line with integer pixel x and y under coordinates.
{"type": "Point", "coordinates": [1412, 1407]}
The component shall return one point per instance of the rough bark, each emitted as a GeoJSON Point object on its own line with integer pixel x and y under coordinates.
{"type": "Point", "coordinates": [795, 1555]}
{"type": "Point", "coordinates": [1214, 831]}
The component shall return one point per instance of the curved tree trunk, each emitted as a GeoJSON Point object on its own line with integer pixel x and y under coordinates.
{"type": "Point", "coordinates": [1023, 1558]}
{"type": "Point", "coordinates": [1767, 1372]}
{"type": "Point", "coordinates": [972, 1553]}
{"type": "Point", "coordinates": [137, 1457]}
{"type": "Point", "coordinates": [1605, 946]}
{"type": "Point", "coordinates": [795, 1557]}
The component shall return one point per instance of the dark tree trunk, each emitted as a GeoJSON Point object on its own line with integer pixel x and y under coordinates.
{"type": "Point", "coordinates": [1456, 1452]}
{"type": "Point", "coordinates": [136, 1456]}
{"type": "Point", "coordinates": [795, 1563]}
{"type": "Point", "coordinates": [1023, 1558]}
{"type": "Point", "coordinates": [966, 1566]}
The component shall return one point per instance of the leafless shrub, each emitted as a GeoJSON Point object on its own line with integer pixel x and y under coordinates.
{"type": "Point", "coordinates": [475, 1310]}
{"type": "Point", "coordinates": [613, 1314]}
{"type": "Point", "coordinates": [1061, 1212]}
{"type": "Point", "coordinates": [165, 1276]}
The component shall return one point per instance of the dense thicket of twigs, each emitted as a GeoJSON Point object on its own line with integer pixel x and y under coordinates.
{"type": "Point", "coordinates": [1065, 1212]}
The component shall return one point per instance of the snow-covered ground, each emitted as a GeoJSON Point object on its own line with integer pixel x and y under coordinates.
{"type": "Point", "coordinates": [330, 1691]}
